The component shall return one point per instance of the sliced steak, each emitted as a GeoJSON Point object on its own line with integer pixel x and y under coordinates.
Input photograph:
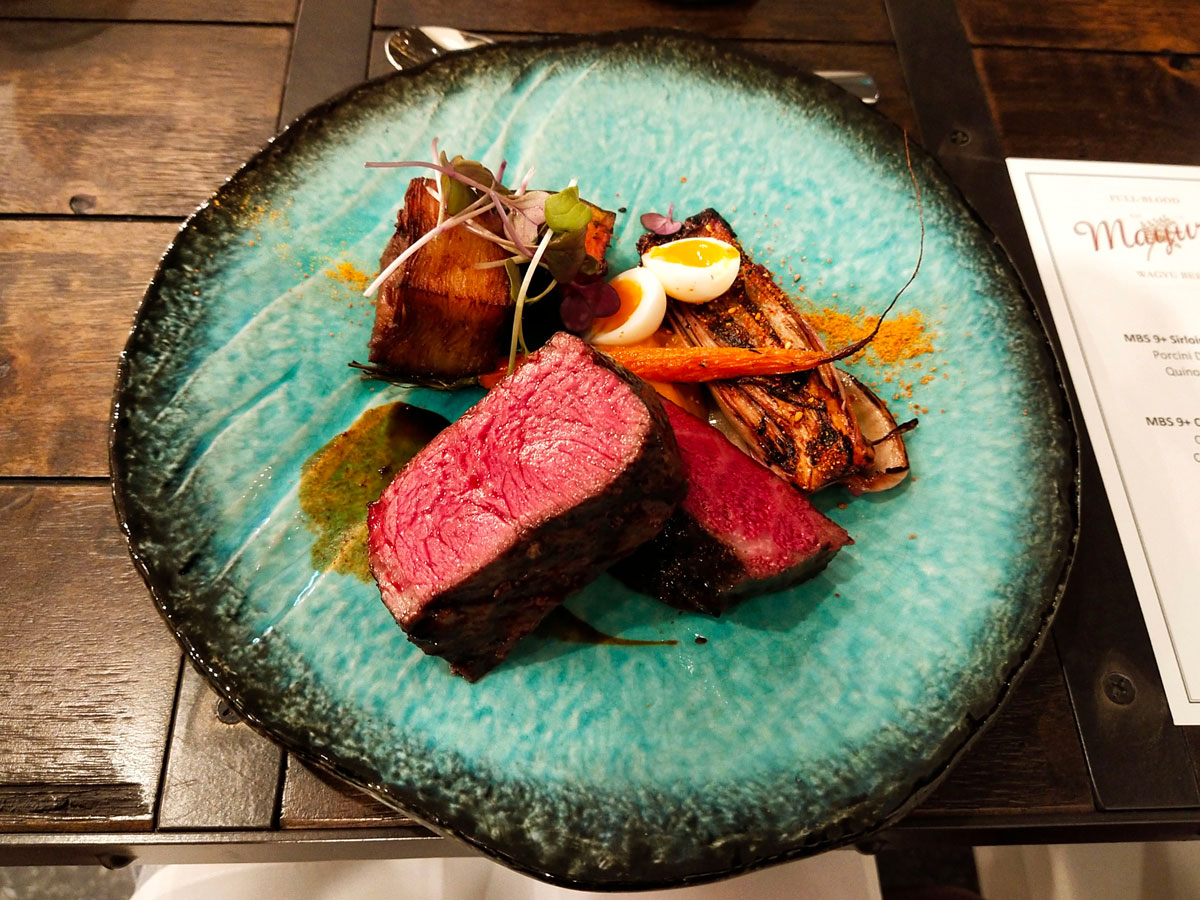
{"type": "Point", "coordinates": [741, 530]}
{"type": "Point", "coordinates": [564, 468]}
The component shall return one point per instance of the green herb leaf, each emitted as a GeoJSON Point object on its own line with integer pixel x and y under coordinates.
{"type": "Point", "coordinates": [514, 279]}
{"type": "Point", "coordinates": [565, 254]}
{"type": "Point", "coordinates": [476, 171]}
{"type": "Point", "coordinates": [589, 266]}
{"type": "Point", "coordinates": [456, 195]}
{"type": "Point", "coordinates": [566, 213]}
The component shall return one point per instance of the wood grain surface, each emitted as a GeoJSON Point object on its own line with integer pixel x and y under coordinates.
{"type": "Point", "coordinates": [1157, 27]}
{"type": "Point", "coordinates": [1103, 106]}
{"type": "Point", "coordinates": [312, 799]}
{"type": "Point", "coordinates": [87, 667]}
{"type": "Point", "coordinates": [852, 20]}
{"type": "Point", "coordinates": [273, 11]}
{"type": "Point", "coordinates": [70, 290]}
{"type": "Point", "coordinates": [220, 773]}
{"type": "Point", "coordinates": [132, 119]}
{"type": "Point", "coordinates": [140, 108]}
{"type": "Point", "coordinates": [1028, 761]}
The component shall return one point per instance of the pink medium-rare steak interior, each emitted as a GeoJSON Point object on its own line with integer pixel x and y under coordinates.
{"type": "Point", "coordinates": [545, 452]}
{"type": "Point", "coordinates": [562, 469]}
{"type": "Point", "coordinates": [766, 522]}
{"type": "Point", "coordinates": [740, 530]}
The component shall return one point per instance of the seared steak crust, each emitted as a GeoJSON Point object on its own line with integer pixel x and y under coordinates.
{"type": "Point", "coordinates": [740, 531]}
{"type": "Point", "coordinates": [564, 468]}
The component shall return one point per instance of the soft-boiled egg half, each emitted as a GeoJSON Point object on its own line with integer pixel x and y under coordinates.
{"type": "Point", "coordinates": [694, 270]}
{"type": "Point", "coordinates": [643, 305]}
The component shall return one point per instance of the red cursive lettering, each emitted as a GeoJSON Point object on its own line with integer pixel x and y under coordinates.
{"type": "Point", "coordinates": [1160, 232]}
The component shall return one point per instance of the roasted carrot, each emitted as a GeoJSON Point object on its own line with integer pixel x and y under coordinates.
{"type": "Point", "coordinates": [695, 364]}
{"type": "Point", "coordinates": [698, 364]}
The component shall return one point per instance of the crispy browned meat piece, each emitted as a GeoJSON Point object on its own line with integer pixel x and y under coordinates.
{"type": "Point", "coordinates": [438, 314]}
{"type": "Point", "coordinates": [798, 425]}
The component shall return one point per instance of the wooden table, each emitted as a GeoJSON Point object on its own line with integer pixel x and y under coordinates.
{"type": "Point", "coordinates": [117, 117]}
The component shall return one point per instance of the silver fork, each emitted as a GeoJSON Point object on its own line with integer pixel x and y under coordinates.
{"type": "Point", "coordinates": [408, 47]}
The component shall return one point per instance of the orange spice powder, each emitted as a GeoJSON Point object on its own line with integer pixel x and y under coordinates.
{"type": "Point", "coordinates": [347, 274]}
{"type": "Point", "coordinates": [901, 337]}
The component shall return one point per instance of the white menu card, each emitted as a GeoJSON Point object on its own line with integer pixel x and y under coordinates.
{"type": "Point", "coordinates": [1118, 249]}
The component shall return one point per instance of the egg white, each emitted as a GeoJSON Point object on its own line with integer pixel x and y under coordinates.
{"type": "Point", "coordinates": [646, 317]}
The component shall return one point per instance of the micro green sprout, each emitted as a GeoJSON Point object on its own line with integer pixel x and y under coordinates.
{"type": "Point", "coordinates": [660, 224]}
{"type": "Point", "coordinates": [538, 228]}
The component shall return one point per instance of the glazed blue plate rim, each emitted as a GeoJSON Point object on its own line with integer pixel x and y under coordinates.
{"type": "Point", "coordinates": [852, 826]}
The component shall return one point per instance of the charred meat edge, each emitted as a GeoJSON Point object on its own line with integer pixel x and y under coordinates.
{"type": "Point", "coordinates": [647, 490]}
{"type": "Point", "coordinates": [800, 426]}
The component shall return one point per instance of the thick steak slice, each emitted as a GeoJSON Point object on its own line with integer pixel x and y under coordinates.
{"type": "Point", "coordinates": [564, 468]}
{"type": "Point", "coordinates": [741, 530]}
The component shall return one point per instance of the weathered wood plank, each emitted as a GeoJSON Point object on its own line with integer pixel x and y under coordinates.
{"type": "Point", "coordinates": [878, 60]}
{"type": "Point", "coordinates": [1105, 106]}
{"type": "Point", "coordinates": [219, 774]}
{"type": "Point", "coordinates": [1084, 24]}
{"type": "Point", "coordinates": [855, 20]}
{"type": "Point", "coordinates": [132, 118]}
{"type": "Point", "coordinates": [70, 290]}
{"type": "Point", "coordinates": [312, 799]}
{"type": "Point", "coordinates": [272, 11]}
{"type": "Point", "coordinates": [87, 668]}
{"type": "Point", "coordinates": [1029, 761]}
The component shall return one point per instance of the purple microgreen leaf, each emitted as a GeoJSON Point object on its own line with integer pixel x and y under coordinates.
{"type": "Point", "coordinates": [526, 230]}
{"type": "Point", "coordinates": [660, 224]}
{"type": "Point", "coordinates": [606, 301]}
{"type": "Point", "coordinates": [583, 303]}
{"type": "Point", "coordinates": [531, 205]}
{"type": "Point", "coordinates": [576, 310]}
{"type": "Point", "coordinates": [506, 225]}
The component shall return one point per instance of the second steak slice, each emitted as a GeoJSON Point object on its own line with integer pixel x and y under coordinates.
{"type": "Point", "coordinates": [741, 530]}
{"type": "Point", "coordinates": [565, 467]}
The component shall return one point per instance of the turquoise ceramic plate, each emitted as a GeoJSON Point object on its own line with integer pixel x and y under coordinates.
{"type": "Point", "coordinates": [805, 718]}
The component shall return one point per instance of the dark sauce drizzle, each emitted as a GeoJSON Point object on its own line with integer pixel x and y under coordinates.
{"type": "Point", "coordinates": [566, 626]}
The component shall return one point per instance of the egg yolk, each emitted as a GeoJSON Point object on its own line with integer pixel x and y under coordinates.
{"type": "Point", "coordinates": [630, 294]}
{"type": "Point", "coordinates": [697, 253]}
